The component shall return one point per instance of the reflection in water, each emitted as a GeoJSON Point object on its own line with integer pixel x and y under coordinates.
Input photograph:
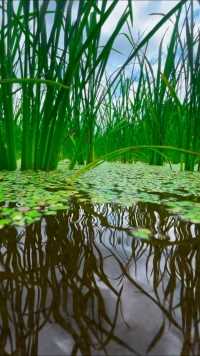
{"type": "Point", "coordinates": [80, 283]}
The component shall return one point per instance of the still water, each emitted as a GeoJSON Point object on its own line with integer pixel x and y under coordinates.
{"type": "Point", "coordinates": [81, 283]}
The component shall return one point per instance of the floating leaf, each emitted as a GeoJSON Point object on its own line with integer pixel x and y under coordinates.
{"type": "Point", "coordinates": [4, 222]}
{"type": "Point", "coordinates": [141, 233]}
{"type": "Point", "coordinates": [111, 182]}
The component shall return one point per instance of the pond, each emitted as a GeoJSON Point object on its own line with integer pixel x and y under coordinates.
{"type": "Point", "coordinates": [114, 273]}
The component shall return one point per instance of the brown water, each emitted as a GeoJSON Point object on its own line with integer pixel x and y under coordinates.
{"type": "Point", "coordinates": [80, 283]}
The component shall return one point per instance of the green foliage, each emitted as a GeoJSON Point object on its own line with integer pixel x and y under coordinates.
{"type": "Point", "coordinates": [26, 196]}
{"type": "Point", "coordinates": [157, 107]}
{"type": "Point", "coordinates": [45, 73]}
{"type": "Point", "coordinates": [128, 184]}
{"type": "Point", "coordinates": [141, 233]}
{"type": "Point", "coordinates": [54, 90]}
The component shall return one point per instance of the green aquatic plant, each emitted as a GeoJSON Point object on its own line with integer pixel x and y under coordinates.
{"type": "Point", "coordinates": [141, 233]}
{"type": "Point", "coordinates": [134, 149]}
{"type": "Point", "coordinates": [157, 106]}
{"type": "Point", "coordinates": [39, 57]}
{"type": "Point", "coordinates": [51, 81]}
{"type": "Point", "coordinates": [25, 197]}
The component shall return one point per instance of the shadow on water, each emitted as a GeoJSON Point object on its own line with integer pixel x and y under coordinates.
{"type": "Point", "coordinates": [81, 283]}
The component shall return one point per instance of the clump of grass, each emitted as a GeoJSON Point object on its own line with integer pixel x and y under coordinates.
{"type": "Point", "coordinates": [51, 82]}
{"type": "Point", "coordinates": [157, 107]}
{"type": "Point", "coordinates": [47, 54]}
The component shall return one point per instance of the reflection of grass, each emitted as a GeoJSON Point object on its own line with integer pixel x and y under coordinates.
{"type": "Point", "coordinates": [180, 280]}
{"type": "Point", "coordinates": [174, 270]}
{"type": "Point", "coordinates": [54, 281]}
{"type": "Point", "coordinates": [52, 275]}
{"type": "Point", "coordinates": [172, 267]}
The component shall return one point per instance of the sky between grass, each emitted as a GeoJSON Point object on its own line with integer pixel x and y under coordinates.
{"type": "Point", "coordinates": [146, 14]}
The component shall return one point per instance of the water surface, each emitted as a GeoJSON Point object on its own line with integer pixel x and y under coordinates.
{"type": "Point", "coordinates": [83, 283]}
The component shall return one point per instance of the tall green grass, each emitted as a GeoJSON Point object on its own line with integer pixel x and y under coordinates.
{"type": "Point", "coordinates": [30, 48]}
{"type": "Point", "coordinates": [160, 107]}
{"type": "Point", "coordinates": [56, 99]}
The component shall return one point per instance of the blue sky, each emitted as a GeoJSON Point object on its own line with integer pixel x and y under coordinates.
{"type": "Point", "coordinates": [143, 23]}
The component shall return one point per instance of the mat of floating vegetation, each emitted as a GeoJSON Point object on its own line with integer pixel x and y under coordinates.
{"type": "Point", "coordinates": [26, 196]}
{"type": "Point", "coordinates": [131, 183]}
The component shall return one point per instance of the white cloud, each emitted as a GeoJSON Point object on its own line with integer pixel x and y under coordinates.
{"type": "Point", "coordinates": [143, 23]}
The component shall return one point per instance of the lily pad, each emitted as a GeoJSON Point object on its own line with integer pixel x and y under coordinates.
{"type": "Point", "coordinates": [26, 196]}
{"type": "Point", "coordinates": [141, 233]}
